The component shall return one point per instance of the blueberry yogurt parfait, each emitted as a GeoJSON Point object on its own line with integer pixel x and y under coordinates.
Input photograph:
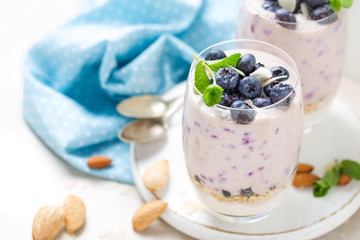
{"type": "Point", "coordinates": [313, 33]}
{"type": "Point", "coordinates": [242, 127]}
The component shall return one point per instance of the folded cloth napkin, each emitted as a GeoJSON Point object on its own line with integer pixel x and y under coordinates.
{"type": "Point", "coordinates": [74, 77]}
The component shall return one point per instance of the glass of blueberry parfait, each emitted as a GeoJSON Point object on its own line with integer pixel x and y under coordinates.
{"type": "Point", "coordinates": [313, 33]}
{"type": "Point", "coordinates": [242, 127]}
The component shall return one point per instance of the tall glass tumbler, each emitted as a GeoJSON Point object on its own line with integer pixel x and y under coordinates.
{"type": "Point", "coordinates": [318, 48]}
{"type": "Point", "coordinates": [242, 171]}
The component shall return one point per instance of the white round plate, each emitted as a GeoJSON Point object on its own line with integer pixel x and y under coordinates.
{"type": "Point", "coordinates": [301, 216]}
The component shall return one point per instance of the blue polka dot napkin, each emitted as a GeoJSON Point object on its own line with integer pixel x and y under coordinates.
{"type": "Point", "coordinates": [74, 77]}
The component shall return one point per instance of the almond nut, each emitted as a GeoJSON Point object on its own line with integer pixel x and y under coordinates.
{"type": "Point", "coordinates": [75, 212]}
{"type": "Point", "coordinates": [99, 162]}
{"type": "Point", "coordinates": [303, 180]}
{"type": "Point", "coordinates": [344, 180]}
{"type": "Point", "coordinates": [148, 213]}
{"type": "Point", "coordinates": [157, 175]}
{"type": "Point", "coordinates": [48, 222]}
{"type": "Point", "coordinates": [304, 168]}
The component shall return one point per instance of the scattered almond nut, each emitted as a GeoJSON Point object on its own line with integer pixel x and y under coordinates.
{"type": "Point", "coordinates": [303, 180]}
{"type": "Point", "coordinates": [157, 175]}
{"type": "Point", "coordinates": [99, 162]}
{"type": "Point", "coordinates": [148, 213]}
{"type": "Point", "coordinates": [304, 168]}
{"type": "Point", "coordinates": [344, 180]}
{"type": "Point", "coordinates": [75, 212]}
{"type": "Point", "coordinates": [48, 222]}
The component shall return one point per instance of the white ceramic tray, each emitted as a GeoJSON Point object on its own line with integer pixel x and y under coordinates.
{"type": "Point", "coordinates": [301, 216]}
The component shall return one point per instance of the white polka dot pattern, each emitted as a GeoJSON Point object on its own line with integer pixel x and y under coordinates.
{"type": "Point", "coordinates": [75, 76]}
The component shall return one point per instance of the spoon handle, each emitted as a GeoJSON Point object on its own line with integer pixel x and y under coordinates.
{"type": "Point", "coordinates": [174, 99]}
{"type": "Point", "coordinates": [176, 104]}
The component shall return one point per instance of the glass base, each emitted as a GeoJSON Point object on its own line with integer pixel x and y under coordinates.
{"type": "Point", "coordinates": [239, 219]}
{"type": "Point", "coordinates": [313, 118]}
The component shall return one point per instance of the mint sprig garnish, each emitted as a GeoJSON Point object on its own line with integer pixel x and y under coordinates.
{"type": "Point", "coordinates": [201, 78]}
{"type": "Point", "coordinates": [231, 60]}
{"type": "Point", "coordinates": [331, 178]}
{"type": "Point", "coordinates": [212, 92]}
{"type": "Point", "coordinates": [337, 4]}
{"type": "Point", "coordinates": [212, 95]}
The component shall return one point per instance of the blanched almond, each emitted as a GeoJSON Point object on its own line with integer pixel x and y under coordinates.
{"type": "Point", "coordinates": [157, 175]}
{"type": "Point", "coordinates": [75, 213]}
{"type": "Point", "coordinates": [303, 180]}
{"type": "Point", "coordinates": [48, 222]}
{"type": "Point", "coordinates": [148, 213]}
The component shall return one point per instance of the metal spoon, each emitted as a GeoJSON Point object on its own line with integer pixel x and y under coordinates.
{"type": "Point", "coordinates": [145, 106]}
{"type": "Point", "coordinates": [148, 130]}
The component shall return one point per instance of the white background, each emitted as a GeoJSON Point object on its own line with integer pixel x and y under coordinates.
{"type": "Point", "coordinates": [31, 176]}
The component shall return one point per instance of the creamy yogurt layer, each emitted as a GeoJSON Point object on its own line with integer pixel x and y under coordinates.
{"type": "Point", "coordinates": [241, 169]}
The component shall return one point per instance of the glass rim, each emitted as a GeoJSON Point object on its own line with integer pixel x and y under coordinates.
{"type": "Point", "coordinates": [295, 69]}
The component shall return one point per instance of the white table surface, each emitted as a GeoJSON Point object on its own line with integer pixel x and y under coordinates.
{"type": "Point", "coordinates": [31, 176]}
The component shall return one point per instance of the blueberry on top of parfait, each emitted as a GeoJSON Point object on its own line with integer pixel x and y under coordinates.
{"type": "Point", "coordinates": [246, 63]}
{"type": "Point", "coordinates": [227, 78]}
{"type": "Point", "coordinates": [228, 98]}
{"type": "Point", "coordinates": [215, 54]}
{"type": "Point", "coordinates": [286, 18]}
{"type": "Point", "coordinates": [250, 87]}
{"type": "Point", "coordinates": [261, 102]}
{"type": "Point", "coordinates": [269, 87]}
{"type": "Point", "coordinates": [280, 91]}
{"type": "Point", "coordinates": [257, 66]}
{"type": "Point", "coordinates": [271, 5]}
{"type": "Point", "coordinates": [322, 12]}
{"type": "Point", "coordinates": [298, 7]}
{"type": "Point", "coordinates": [316, 3]}
{"type": "Point", "coordinates": [279, 71]}
{"type": "Point", "coordinates": [241, 112]}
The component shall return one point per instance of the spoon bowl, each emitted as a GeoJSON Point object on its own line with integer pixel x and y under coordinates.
{"type": "Point", "coordinates": [143, 131]}
{"type": "Point", "coordinates": [144, 106]}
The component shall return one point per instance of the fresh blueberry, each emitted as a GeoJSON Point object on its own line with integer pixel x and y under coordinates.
{"type": "Point", "coordinates": [271, 6]}
{"type": "Point", "coordinates": [316, 3]}
{"type": "Point", "coordinates": [257, 66]}
{"type": "Point", "coordinates": [215, 54]}
{"type": "Point", "coordinates": [227, 78]}
{"type": "Point", "coordinates": [241, 112]}
{"type": "Point", "coordinates": [285, 18]}
{"type": "Point", "coordinates": [280, 91]}
{"type": "Point", "coordinates": [250, 87]}
{"type": "Point", "coordinates": [269, 87]}
{"type": "Point", "coordinates": [228, 98]}
{"type": "Point", "coordinates": [261, 102]}
{"type": "Point", "coordinates": [247, 192]}
{"type": "Point", "coordinates": [298, 7]}
{"type": "Point", "coordinates": [323, 12]}
{"type": "Point", "coordinates": [226, 193]}
{"type": "Point", "coordinates": [272, 187]}
{"type": "Point", "coordinates": [279, 71]}
{"type": "Point", "coordinates": [246, 63]}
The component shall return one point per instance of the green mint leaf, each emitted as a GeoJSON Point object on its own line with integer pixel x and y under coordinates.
{"type": "Point", "coordinates": [201, 78]}
{"type": "Point", "coordinates": [320, 188]}
{"type": "Point", "coordinates": [231, 60]}
{"type": "Point", "coordinates": [212, 95]}
{"type": "Point", "coordinates": [346, 3]}
{"type": "Point", "coordinates": [350, 168]}
{"type": "Point", "coordinates": [335, 5]}
{"type": "Point", "coordinates": [331, 178]}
